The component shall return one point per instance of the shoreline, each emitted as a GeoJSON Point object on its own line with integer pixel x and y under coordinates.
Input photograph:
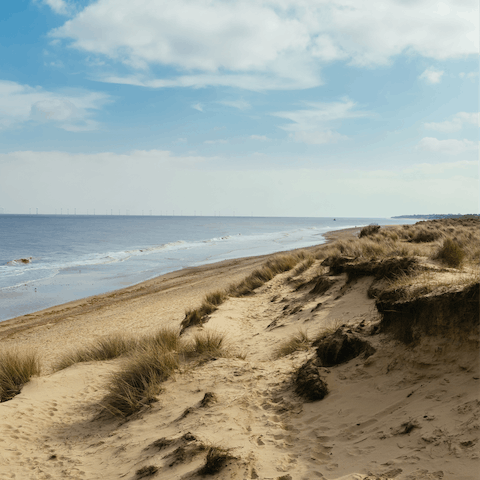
{"type": "Point", "coordinates": [169, 294]}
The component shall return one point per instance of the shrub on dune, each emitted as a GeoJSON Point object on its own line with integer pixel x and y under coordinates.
{"type": "Point", "coordinates": [16, 369]}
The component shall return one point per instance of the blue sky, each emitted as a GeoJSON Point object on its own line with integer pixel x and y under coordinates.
{"type": "Point", "coordinates": [281, 108]}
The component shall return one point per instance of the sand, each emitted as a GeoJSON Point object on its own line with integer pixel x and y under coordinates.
{"type": "Point", "coordinates": [403, 413]}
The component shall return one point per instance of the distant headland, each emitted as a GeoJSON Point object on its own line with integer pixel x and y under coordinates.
{"type": "Point", "coordinates": [433, 216]}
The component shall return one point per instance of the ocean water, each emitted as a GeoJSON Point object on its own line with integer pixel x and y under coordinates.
{"type": "Point", "coordinates": [72, 257]}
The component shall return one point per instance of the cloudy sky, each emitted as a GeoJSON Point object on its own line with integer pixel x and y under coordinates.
{"type": "Point", "coordinates": [270, 107]}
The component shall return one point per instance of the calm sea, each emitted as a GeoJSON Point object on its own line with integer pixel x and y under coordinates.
{"type": "Point", "coordinates": [73, 257]}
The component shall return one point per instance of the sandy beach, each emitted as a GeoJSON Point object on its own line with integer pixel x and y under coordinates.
{"type": "Point", "coordinates": [404, 411]}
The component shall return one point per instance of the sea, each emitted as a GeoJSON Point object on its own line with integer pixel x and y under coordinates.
{"type": "Point", "coordinates": [69, 257]}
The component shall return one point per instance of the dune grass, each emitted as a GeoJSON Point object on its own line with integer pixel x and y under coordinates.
{"type": "Point", "coordinates": [139, 380]}
{"type": "Point", "coordinates": [206, 344]}
{"type": "Point", "coordinates": [210, 303]}
{"type": "Point", "coordinates": [451, 253]}
{"type": "Point", "coordinates": [16, 369]}
{"type": "Point", "coordinates": [105, 348]}
{"type": "Point", "coordinates": [117, 345]}
{"type": "Point", "coordinates": [296, 342]}
{"type": "Point", "coordinates": [155, 359]}
{"type": "Point", "coordinates": [303, 266]}
{"type": "Point", "coordinates": [271, 268]}
{"type": "Point", "coordinates": [369, 230]}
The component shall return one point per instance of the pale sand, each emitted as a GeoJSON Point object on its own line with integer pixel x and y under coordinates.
{"type": "Point", "coordinates": [50, 430]}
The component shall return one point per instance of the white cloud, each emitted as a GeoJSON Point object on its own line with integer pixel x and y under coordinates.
{"type": "Point", "coordinates": [455, 124]}
{"type": "Point", "coordinates": [470, 75]}
{"type": "Point", "coordinates": [240, 104]}
{"type": "Point", "coordinates": [198, 106]}
{"type": "Point", "coordinates": [58, 6]}
{"type": "Point", "coordinates": [265, 44]}
{"type": "Point", "coordinates": [263, 138]}
{"type": "Point", "coordinates": [215, 142]}
{"type": "Point", "coordinates": [432, 76]}
{"type": "Point", "coordinates": [450, 146]}
{"type": "Point", "coordinates": [69, 110]}
{"type": "Point", "coordinates": [318, 137]}
{"type": "Point", "coordinates": [312, 125]}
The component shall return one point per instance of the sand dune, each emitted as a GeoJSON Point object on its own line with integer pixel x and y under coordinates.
{"type": "Point", "coordinates": [405, 412]}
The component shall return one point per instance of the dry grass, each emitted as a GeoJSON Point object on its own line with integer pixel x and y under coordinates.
{"type": "Point", "coordinates": [207, 344]}
{"type": "Point", "coordinates": [166, 338]}
{"type": "Point", "coordinates": [303, 266]}
{"type": "Point", "coordinates": [369, 230]}
{"type": "Point", "coordinates": [328, 330]}
{"type": "Point", "coordinates": [105, 348]}
{"type": "Point", "coordinates": [298, 341]}
{"type": "Point", "coordinates": [210, 303]}
{"type": "Point", "coordinates": [409, 287]}
{"type": "Point", "coordinates": [155, 359]}
{"type": "Point", "coordinates": [138, 382]}
{"type": "Point", "coordinates": [424, 239]}
{"type": "Point", "coordinates": [451, 253]}
{"type": "Point", "coordinates": [114, 346]}
{"type": "Point", "coordinates": [274, 266]}
{"type": "Point", "coordinates": [16, 369]}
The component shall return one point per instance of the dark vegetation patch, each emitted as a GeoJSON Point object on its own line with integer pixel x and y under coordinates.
{"type": "Point", "coordinates": [340, 347]}
{"type": "Point", "coordinates": [216, 460]}
{"type": "Point", "coordinates": [369, 230]}
{"type": "Point", "coordinates": [208, 399]}
{"type": "Point", "coordinates": [379, 269]}
{"type": "Point", "coordinates": [407, 427]}
{"type": "Point", "coordinates": [309, 383]}
{"type": "Point", "coordinates": [425, 236]}
{"type": "Point", "coordinates": [450, 314]}
{"type": "Point", "coordinates": [162, 443]}
{"type": "Point", "coordinates": [146, 471]}
{"type": "Point", "coordinates": [186, 452]}
{"type": "Point", "coordinates": [319, 285]}
{"type": "Point", "coordinates": [336, 263]}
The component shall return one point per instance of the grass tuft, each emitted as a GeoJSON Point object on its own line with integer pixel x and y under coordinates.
{"type": "Point", "coordinates": [166, 338]}
{"type": "Point", "coordinates": [425, 236]}
{"type": "Point", "coordinates": [450, 254]}
{"type": "Point", "coordinates": [210, 303]}
{"type": "Point", "coordinates": [138, 382]}
{"type": "Point", "coordinates": [105, 348]}
{"type": "Point", "coordinates": [298, 341]}
{"type": "Point", "coordinates": [16, 369]}
{"type": "Point", "coordinates": [207, 344]}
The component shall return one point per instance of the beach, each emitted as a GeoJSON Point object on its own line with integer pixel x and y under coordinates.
{"type": "Point", "coordinates": [403, 412]}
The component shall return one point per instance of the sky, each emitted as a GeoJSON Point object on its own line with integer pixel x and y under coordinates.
{"type": "Point", "coordinates": [310, 108]}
